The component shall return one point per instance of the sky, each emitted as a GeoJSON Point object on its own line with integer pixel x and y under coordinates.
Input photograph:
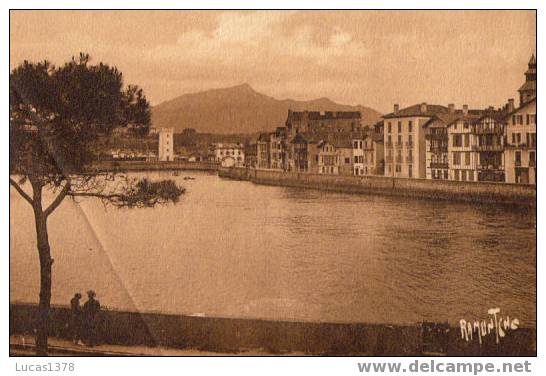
{"type": "Point", "coordinates": [372, 58]}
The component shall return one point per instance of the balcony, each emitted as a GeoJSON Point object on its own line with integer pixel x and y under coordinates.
{"type": "Point", "coordinates": [494, 147]}
{"type": "Point", "coordinates": [443, 165]}
{"type": "Point", "coordinates": [409, 144]}
{"type": "Point", "coordinates": [521, 145]}
{"type": "Point", "coordinates": [409, 159]}
{"type": "Point", "coordinates": [436, 136]}
{"type": "Point", "coordinates": [488, 130]}
{"type": "Point", "coordinates": [517, 163]}
{"type": "Point", "coordinates": [490, 167]}
{"type": "Point", "coordinates": [438, 149]}
{"type": "Point", "coordinates": [399, 145]}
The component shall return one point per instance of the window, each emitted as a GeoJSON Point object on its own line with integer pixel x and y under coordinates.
{"type": "Point", "coordinates": [470, 175]}
{"type": "Point", "coordinates": [467, 158]}
{"type": "Point", "coordinates": [457, 140]}
{"type": "Point", "coordinates": [514, 119]}
{"type": "Point", "coordinates": [347, 160]}
{"type": "Point", "coordinates": [399, 127]}
{"type": "Point", "coordinates": [528, 118]}
{"type": "Point", "coordinates": [456, 177]}
{"type": "Point", "coordinates": [466, 140]}
{"type": "Point", "coordinates": [410, 171]}
{"type": "Point", "coordinates": [389, 127]}
{"type": "Point", "coordinates": [457, 158]}
{"type": "Point", "coordinates": [410, 126]}
{"type": "Point", "coordinates": [398, 168]}
{"type": "Point", "coordinates": [518, 158]}
{"type": "Point", "coordinates": [356, 159]}
{"type": "Point", "coordinates": [389, 139]}
{"type": "Point", "coordinates": [399, 139]}
{"type": "Point", "coordinates": [463, 175]}
{"type": "Point", "coordinates": [355, 144]}
{"type": "Point", "coordinates": [531, 159]}
{"type": "Point", "coordinates": [518, 138]}
{"type": "Point", "coordinates": [513, 138]}
{"type": "Point", "coordinates": [446, 176]}
{"type": "Point", "coordinates": [410, 139]}
{"type": "Point", "coordinates": [465, 125]}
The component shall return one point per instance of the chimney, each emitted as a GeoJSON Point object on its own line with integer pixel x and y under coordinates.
{"type": "Point", "coordinates": [423, 108]}
{"type": "Point", "coordinates": [510, 104]}
{"type": "Point", "coordinates": [465, 109]}
{"type": "Point", "coordinates": [396, 108]}
{"type": "Point", "coordinates": [451, 108]}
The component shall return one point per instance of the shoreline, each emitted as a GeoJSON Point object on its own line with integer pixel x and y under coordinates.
{"type": "Point", "coordinates": [436, 190]}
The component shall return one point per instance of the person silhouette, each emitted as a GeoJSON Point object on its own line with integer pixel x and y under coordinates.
{"type": "Point", "coordinates": [91, 311]}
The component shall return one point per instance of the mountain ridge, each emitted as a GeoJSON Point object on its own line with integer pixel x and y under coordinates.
{"type": "Point", "coordinates": [240, 109]}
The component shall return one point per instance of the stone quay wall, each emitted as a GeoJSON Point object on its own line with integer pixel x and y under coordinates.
{"type": "Point", "coordinates": [276, 337]}
{"type": "Point", "coordinates": [126, 166]}
{"type": "Point", "coordinates": [479, 192]}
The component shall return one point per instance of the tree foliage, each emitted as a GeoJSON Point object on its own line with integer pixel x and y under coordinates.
{"type": "Point", "coordinates": [57, 116]}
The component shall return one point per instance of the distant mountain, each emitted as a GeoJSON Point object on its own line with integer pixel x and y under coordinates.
{"type": "Point", "coordinates": [240, 109]}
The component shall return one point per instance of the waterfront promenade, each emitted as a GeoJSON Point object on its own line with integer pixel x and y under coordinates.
{"type": "Point", "coordinates": [135, 333]}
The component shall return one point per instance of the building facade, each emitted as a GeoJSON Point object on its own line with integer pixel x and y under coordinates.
{"type": "Point", "coordinates": [404, 136]}
{"type": "Point", "coordinates": [322, 121]}
{"type": "Point", "coordinates": [229, 154]}
{"type": "Point", "coordinates": [521, 144]}
{"type": "Point", "coordinates": [166, 144]}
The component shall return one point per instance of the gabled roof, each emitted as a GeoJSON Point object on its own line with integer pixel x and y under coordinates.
{"type": "Point", "coordinates": [264, 137]}
{"type": "Point", "coordinates": [528, 86]}
{"type": "Point", "coordinates": [534, 99]}
{"type": "Point", "coordinates": [415, 110]}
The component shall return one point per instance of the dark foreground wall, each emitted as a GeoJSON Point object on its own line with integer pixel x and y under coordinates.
{"type": "Point", "coordinates": [277, 337]}
{"type": "Point", "coordinates": [154, 166]}
{"type": "Point", "coordinates": [479, 192]}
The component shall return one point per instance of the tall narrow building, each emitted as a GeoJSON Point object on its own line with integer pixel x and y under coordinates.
{"type": "Point", "coordinates": [528, 90]}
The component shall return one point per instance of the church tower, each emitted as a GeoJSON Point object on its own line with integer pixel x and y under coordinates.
{"type": "Point", "coordinates": [528, 90]}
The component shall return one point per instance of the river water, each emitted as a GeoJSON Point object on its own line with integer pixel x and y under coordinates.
{"type": "Point", "coordinates": [236, 249]}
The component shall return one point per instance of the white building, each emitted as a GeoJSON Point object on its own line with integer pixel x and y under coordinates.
{"type": "Point", "coordinates": [229, 154]}
{"type": "Point", "coordinates": [166, 144]}
{"type": "Point", "coordinates": [521, 144]}
{"type": "Point", "coordinates": [405, 154]}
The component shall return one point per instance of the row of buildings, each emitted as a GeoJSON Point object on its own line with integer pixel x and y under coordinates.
{"type": "Point", "coordinates": [420, 141]}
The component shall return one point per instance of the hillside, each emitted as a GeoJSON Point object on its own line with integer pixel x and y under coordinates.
{"type": "Point", "coordinates": [239, 109]}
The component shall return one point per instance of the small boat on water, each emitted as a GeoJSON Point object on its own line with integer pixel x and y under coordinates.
{"type": "Point", "coordinates": [176, 173]}
{"type": "Point", "coordinates": [189, 178]}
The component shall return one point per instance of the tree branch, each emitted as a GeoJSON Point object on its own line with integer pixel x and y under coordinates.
{"type": "Point", "coordinates": [60, 197]}
{"type": "Point", "coordinates": [21, 191]}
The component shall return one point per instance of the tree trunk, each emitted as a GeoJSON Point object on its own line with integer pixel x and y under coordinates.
{"type": "Point", "coordinates": [45, 272]}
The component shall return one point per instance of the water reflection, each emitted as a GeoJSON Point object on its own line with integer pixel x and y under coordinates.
{"type": "Point", "coordinates": [232, 248]}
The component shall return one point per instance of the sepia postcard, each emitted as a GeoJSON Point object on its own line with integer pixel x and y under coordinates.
{"type": "Point", "coordinates": [273, 183]}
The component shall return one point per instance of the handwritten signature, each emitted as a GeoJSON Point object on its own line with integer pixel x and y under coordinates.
{"type": "Point", "coordinates": [495, 324]}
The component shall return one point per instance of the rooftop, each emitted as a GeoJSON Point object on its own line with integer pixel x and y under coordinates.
{"type": "Point", "coordinates": [416, 110]}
